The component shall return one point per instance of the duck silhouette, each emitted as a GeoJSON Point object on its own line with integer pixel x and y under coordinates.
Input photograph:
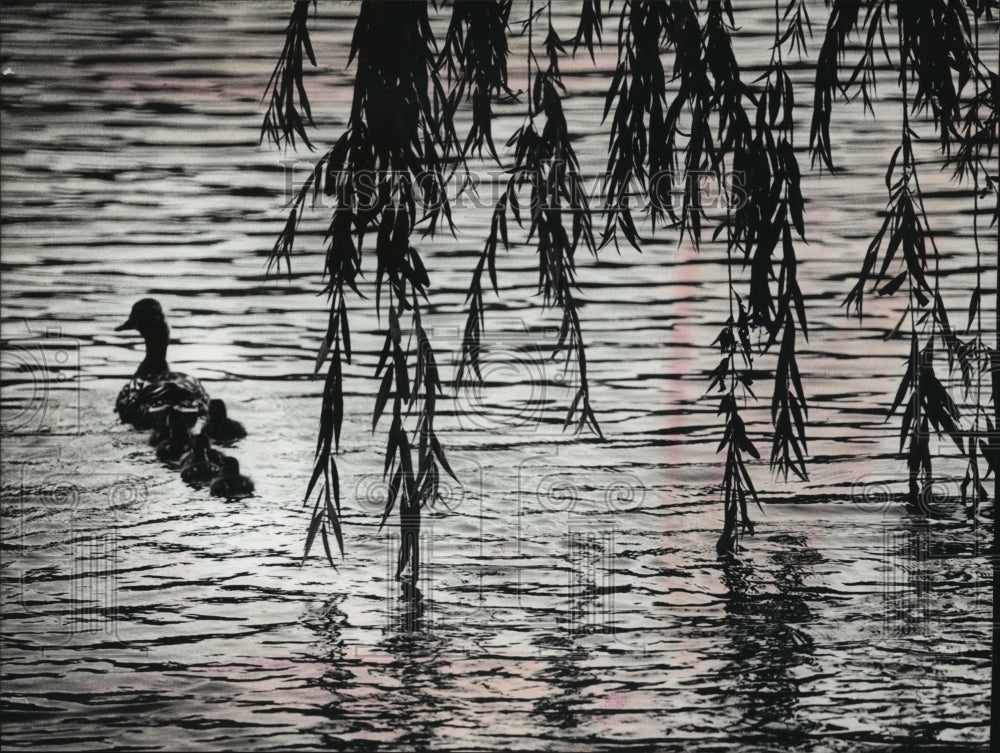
{"type": "Point", "coordinates": [230, 483]}
{"type": "Point", "coordinates": [201, 463]}
{"type": "Point", "coordinates": [155, 389]}
{"type": "Point", "coordinates": [178, 439]}
{"type": "Point", "coordinates": [218, 426]}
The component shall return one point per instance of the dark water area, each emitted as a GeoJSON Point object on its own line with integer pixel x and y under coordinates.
{"type": "Point", "coordinates": [571, 598]}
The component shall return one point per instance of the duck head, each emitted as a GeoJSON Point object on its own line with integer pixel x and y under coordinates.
{"type": "Point", "coordinates": [216, 409]}
{"type": "Point", "coordinates": [201, 445]}
{"type": "Point", "coordinates": [230, 467]}
{"type": "Point", "coordinates": [147, 318]}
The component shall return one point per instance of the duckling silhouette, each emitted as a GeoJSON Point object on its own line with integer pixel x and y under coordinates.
{"type": "Point", "coordinates": [201, 463]}
{"type": "Point", "coordinates": [178, 439]}
{"type": "Point", "coordinates": [219, 427]}
{"type": "Point", "coordinates": [230, 483]}
{"type": "Point", "coordinates": [143, 402]}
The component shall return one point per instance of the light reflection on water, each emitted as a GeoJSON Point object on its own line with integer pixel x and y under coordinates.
{"type": "Point", "coordinates": [571, 596]}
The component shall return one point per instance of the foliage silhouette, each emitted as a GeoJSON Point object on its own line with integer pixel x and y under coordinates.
{"type": "Point", "coordinates": [933, 40]}
{"type": "Point", "coordinates": [545, 161]}
{"type": "Point", "coordinates": [667, 131]}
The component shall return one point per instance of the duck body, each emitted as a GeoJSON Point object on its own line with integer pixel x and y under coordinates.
{"type": "Point", "coordinates": [202, 463]}
{"type": "Point", "coordinates": [219, 427]}
{"type": "Point", "coordinates": [144, 401]}
{"type": "Point", "coordinates": [231, 484]}
{"type": "Point", "coordinates": [178, 441]}
{"type": "Point", "coordinates": [171, 450]}
{"type": "Point", "coordinates": [199, 472]}
{"type": "Point", "coordinates": [231, 488]}
{"type": "Point", "coordinates": [155, 390]}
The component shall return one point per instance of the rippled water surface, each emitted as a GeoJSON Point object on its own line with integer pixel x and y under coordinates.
{"type": "Point", "coordinates": [571, 598]}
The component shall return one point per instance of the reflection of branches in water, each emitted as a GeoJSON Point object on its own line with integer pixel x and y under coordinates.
{"type": "Point", "coordinates": [418, 680]}
{"type": "Point", "coordinates": [566, 676]}
{"type": "Point", "coordinates": [407, 616]}
{"type": "Point", "coordinates": [327, 622]}
{"type": "Point", "coordinates": [353, 674]}
{"type": "Point", "coordinates": [766, 645]}
{"type": "Point", "coordinates": [589, 609]}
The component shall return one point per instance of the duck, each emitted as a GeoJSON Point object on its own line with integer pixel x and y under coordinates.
{"type": "Point", "coordinates": [155, 389]}
{"type": "Point", "coordinates": [178, 439]}
{"type": "Point", "coordinates": [201, 464]}
{"type": "Point", "coordinates": [230, 483]}
{"type": "Point", "coordinates": [218, 426]}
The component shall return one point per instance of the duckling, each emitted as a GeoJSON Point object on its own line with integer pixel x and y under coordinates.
{"type": "Point", "coordinates": [178, 439]}
{"type": "Point", "coordinates": [219, 426]}
{"type": "Point", "coordinates": [154, 388]}
{"type": "Point", "coordinates": [201, 463]}
{"type": "Point", "coordinates": [230, 483]}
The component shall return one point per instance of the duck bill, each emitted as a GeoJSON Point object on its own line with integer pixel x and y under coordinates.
{"type": "Point", "coordinates": [127, 325]}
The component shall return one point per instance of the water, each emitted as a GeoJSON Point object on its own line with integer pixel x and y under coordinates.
{"type": "Point", "coordinates": [571, 598]}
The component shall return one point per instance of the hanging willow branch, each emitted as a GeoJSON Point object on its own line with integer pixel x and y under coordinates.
{"type": "Point", "coordinates": [386, 164]}
{"type": "Point", "coordinates": [905, 233]}
{"type": "Point", "coordinates": [640, 144]}
{"type": "Point", "coordinates": [670, 128]}
{"type": "Point", "coordinates": [590, 27]}
{"type": "Point", "coordinates": [978, 131]}
{"type": "Point", "coordinates": [283, 120]}
{"type": "Point", "coordinates": [937, 37]}
{"type": "Point", "coordinates": [934, 47]}
{"type": "Point", "coordinates": [768, 224]}
{"type": "Point", "coordinates": [729, 123]}
{"type": "Point", "coordinates": [750, 130]}
{"type": "Point", "coordinates": [733, 377]}
{"type": "Point", "coordinates": [475, 59]}
{"type": "Point", "coordinates": [546, 162]}
{"type": "Point", "coordinates": [743, 234]}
